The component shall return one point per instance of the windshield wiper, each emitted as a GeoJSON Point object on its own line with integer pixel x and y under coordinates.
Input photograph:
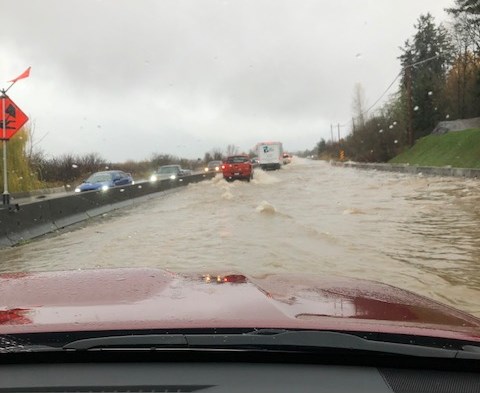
{"type": "Point", "coordinates": [275, 340]}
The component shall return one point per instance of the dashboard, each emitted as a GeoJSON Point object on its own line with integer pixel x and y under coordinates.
{"type": "Point", "coordinates": [228, 377]}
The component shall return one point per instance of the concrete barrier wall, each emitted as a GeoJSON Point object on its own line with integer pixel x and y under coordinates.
{"type": "Point", "coordinates": [412, 169]}
{"type": "Point", "coordinates": [34, 219]}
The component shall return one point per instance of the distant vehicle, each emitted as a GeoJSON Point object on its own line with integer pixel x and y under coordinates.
{"type": "Point", "coordinates": [255, 162]}
{"type": "Point", "coordinates": [105, 180]}
{"type": "Point", "coordinates": [214, 166]}
{"type": "Point", "coordinates": [287, 158]}
{"type": "Point", "coordinates": [170, 172]}
{"type": "Point", "coordinates": [237, 167]}
{"type": "Point", "coordinates": [270, 155]}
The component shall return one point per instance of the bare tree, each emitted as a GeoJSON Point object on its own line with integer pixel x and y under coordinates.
{"type": "Point", "coordinates": [358, 106]}
{"type": "Point", "coordinates": [232, 150]}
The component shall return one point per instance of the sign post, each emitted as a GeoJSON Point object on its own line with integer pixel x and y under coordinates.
{"type": "Point", "coordinates": [12, 120]}
{"type": "Point", "coordinates": [6, 195]}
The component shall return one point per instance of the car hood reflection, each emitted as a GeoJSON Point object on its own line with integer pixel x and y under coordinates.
{"type": "Point", "coordinates": [142, 298]}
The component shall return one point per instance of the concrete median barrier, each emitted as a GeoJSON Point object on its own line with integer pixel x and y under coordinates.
{"type": "Point", "coordinates": [25, 223]}
{"type": "Point", "coordinates": [34, 219]}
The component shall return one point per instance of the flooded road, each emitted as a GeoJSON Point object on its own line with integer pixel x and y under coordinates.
{"type": "Point", "coordinates": [417, 233]}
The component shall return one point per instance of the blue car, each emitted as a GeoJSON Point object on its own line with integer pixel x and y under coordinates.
{"type": "Point", "coordinates": [105, 180]}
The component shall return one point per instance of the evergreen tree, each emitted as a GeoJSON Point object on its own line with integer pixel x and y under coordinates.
{"type": "Point", "coordinates": [428, 56]}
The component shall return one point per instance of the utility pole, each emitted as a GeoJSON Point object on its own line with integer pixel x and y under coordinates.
{"type": "Point", "coordinates": [331, 132]}
{"type": "Point", "coordinates": [408, 81]}
{"type": "Point", "coordinates": [338, 132]}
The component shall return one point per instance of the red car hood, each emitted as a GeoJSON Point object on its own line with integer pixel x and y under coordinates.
{"type": "Point", "coordinates": [124, 299]}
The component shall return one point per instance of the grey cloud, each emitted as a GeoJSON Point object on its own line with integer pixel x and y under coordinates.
{"type": "Point", "coordinates": [200, 68]}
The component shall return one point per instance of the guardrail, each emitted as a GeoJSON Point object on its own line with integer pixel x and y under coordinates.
{"type": "Point", "coordinates": [19, 223]}
{"type": "Point", "coordinates": [413, 169]}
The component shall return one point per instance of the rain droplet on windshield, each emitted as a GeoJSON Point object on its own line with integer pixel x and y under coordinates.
{"type": "Point", "coordinates": [430, 93]}
{"type": "Point", "coordinates": [416, 108]}
{"type": "Point", "coordinates": [447, 117]}
{"type": "Point", "coordinates": [74, 166]}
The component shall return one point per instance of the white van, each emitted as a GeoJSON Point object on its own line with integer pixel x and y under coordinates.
{"type": "Point", "coordinates": [270, 155]}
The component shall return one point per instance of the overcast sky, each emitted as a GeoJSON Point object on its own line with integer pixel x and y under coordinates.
{"type": "Point", "coordinates": [130, 78]}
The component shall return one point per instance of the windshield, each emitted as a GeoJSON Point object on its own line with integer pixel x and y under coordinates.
{"type": "Point", "coordinates": [355, 127]}
{"type": "Point", "coordinates": [99, 178]}
{"type": "Point", "coordinates": [168, 169]}
{"type": "Point", "coordinates": [237, 159]}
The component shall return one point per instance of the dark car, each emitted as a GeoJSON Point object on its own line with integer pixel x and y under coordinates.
{"type": "Point", "coordinates": [105, 180]}
{"type": "Point", "coordinates": [171, 172]}
{"type": "Point", "coordinates": [214, 166]}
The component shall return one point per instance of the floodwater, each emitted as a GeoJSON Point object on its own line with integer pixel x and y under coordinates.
{"type": "Point", "coordinates": [418, 233]}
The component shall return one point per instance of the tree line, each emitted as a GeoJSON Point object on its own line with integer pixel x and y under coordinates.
{"type": "Point", "coordinates": [439, 80]}
{"type": "Point", "coordinates": [29, 168]}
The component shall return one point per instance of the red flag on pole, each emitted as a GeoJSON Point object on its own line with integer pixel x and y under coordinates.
{"type": "Point", "coordinates": [25, 74]}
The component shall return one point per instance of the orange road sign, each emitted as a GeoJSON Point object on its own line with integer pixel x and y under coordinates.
{"type": "Point", "coordinates": [11, 118]}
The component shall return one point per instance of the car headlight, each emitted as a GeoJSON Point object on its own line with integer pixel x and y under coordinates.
{"type": "Point", "coordinates": [173, 177]}
{"type": "Point", "coordinates": [153, 178]}
{"type": "Point", "coordinates": [217, 168]}
{"type": "Point", "coordinates": [206, 169]}
{"type": "Point", "coordinates": [77, 189]}
{"type": "Point", "coordinates": [104, 187]}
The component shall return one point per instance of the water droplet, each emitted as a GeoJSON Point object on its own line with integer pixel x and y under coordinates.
{"type": "Point", "coordinates": [416, 108]}
{"type": "Point", "coordinates": [430, 93]}
{"type": "Point", "coordinates": [395, 141]}
{"type": "Point", "coordinates": [447, 117]}
{"type": "Point", "coordinates": [380, 131]}
{"type": "Point", "coordinates": [391, 126]}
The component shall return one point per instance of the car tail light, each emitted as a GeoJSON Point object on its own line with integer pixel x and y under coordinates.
{"type": "Point", "coordinates": [236, 278]}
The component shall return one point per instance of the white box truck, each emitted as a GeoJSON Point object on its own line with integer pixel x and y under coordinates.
{"type": "Point", "coordinates": [270, 155]}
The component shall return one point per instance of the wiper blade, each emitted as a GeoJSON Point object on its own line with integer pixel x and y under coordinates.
{"type": "Point", "coordinates": [311, 341]}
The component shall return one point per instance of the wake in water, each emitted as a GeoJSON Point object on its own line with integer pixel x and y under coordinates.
{"type": "Point", "coordinates": [262, 177]}
{"type": "Point", "coordinates": [266, 208]}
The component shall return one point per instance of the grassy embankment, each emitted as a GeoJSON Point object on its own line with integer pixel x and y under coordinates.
{"type": "Point", "coordinates": [460, 149]}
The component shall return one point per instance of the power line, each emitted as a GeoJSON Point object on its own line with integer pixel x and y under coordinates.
{"type": "Point", "coordinates": [383, 94]}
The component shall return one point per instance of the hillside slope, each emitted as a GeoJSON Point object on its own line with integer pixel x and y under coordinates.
{"type": "Point", "coordinates": [459, 149]}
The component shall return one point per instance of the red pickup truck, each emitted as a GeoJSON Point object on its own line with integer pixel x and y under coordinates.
{"type": "Point", "coordinates": [237, 167]}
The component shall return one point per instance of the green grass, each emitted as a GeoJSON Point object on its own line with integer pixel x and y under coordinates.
{"type": "Point", "coordinates": [460, 149]}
